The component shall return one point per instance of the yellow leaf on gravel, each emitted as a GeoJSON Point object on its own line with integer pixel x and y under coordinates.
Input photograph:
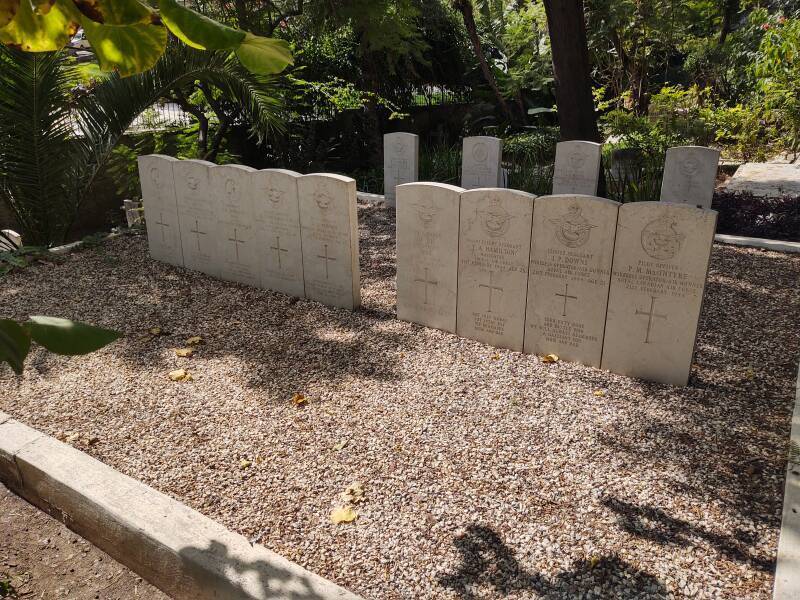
{"type": "Point", "coordinates": [184, 352]}
{"type": "Point", "coordinates": [194, 340]}
{"type": "Point", "coordinates": [155, 331]}
{"type": "Point", "coordinates": [550, 358]}
{"type": "Point", "coordinates": [299, 400]}
{"type": "Point", "coordinates": [180, 375]}
{"type": "Point", "coordinates": [343, 514]}
{"type": "Point", "coordinates": [599, 393]}
{"type": "Point", "coordinates": [244, 463]}
{"type": "Point", "coordinates": [495, 356]}
{"type": "Point", "coordinates": [354, 493]}
{"type": "Point", "coordinates": [339, 445]}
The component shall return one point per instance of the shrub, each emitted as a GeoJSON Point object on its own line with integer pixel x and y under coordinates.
{"type": "Point", "coordinates": [755, 216]}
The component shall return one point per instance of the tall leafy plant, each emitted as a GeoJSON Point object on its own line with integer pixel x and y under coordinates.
{"type": "Point", "coordinates": [54, 142]}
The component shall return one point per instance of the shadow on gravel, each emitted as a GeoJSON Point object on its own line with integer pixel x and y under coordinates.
{"type": "Point", "coordinates": [486, 562]}
{"type": "Point", "coordinates": [263, 580]}
{"type": "Point", "coordinates": [657, 526]}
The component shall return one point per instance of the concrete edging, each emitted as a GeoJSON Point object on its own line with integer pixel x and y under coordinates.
{"type": "Point", "coordinates": [177, 549]}
{"type": "Point", "coordinates": [764, 244]}
{"type": "Point", "coordinates": [787, 570]}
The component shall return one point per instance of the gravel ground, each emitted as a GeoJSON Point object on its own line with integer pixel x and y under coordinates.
{"type": "Point", "coordinates": [486, 473]}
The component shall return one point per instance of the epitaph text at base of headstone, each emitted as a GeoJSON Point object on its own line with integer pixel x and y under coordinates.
{"type": "Point", "coordinates": [577, 167]}
{"type": "Point", "coordinates": [400, 162]}
{"type": "Point", "coordinates": [494, 252]}
{"type": "Point", "coordinates": [277, 223]}
{"type": "Point", "coordinates": [690, 174]}
{"type": "Point", "coordinates": [571, 254]}
{"type": "Point", "coordinates": [329, 229]}
{"type": "Point", "coordinates": [480, 162]}
{"type": "Point", "coordinates": [427, 254]}
{"type": "Point", "coordinates": [161, 208]}
{"type": "Point", "coordinates": [658, 279]}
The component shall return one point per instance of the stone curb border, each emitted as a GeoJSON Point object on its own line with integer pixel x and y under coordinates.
{"type": "Point", "coordinates": [787, 571]}
{"type": "Point", "coordinates": [183, 553]}
{"type": "Point", "coordinates": [764, 244]}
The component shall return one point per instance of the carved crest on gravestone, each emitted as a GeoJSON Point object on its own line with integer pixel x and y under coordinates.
{"type": "Point", "coordinates": [192, 182]}
{"type": "Point", "coordinates": [155, 176]}
{"type": "Point", "coordinates": [572, 228]}
{"type": "Point", "coordinates": [275, 195]}
{"type": "Point", "coordinates": [495, 220]}
{"type": "Point", "coordinates": [230, 188]}
{"type": "Point", "coordinates": [689, 168]}
{"type": "Point", "coordinates": [575, 161]}
{"type": "Point", "coordinates": [323, 199]}
{"type": "Point", "coordinates": [480, 152]}
{"type": "Point", "coordinates": [661, 239]}
{"type": "Point", "coordinates": [426, 211]}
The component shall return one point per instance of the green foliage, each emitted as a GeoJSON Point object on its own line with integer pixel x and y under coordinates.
{"type": "Point", "coordinates": [60, 336]}
{"type": "Point", "coordinates": [19, 258]}
{"type": "Point", "coordinates": [128, 36]}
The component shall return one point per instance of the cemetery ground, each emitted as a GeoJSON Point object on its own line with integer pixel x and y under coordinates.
{"type": "Point", "coordinates": [485, 473]}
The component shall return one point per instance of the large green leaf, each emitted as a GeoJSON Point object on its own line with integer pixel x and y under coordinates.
{"type": "Point", "coordinates": [264, 56]}
{"type": "Point", "coordinates": [14, 344]}
{"type": "Point", "coordinates": [198, 31]}
{"type": "Point", "coordinates": [8, 8]}
{"type": "Point", "coordinates": [34, 32]}
{"type": "Point", "coordinates": [116, 12]}
{"type": "Point", "coordinates": [70, 338]}
{"type": "Point", "coordinates": [127, 49]}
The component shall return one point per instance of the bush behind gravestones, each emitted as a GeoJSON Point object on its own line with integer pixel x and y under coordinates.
{"type": "Point", "coordinates": [754, 216]}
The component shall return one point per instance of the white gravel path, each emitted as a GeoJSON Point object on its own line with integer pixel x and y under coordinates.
{"type": "Point", "coordinates": [486, 473]}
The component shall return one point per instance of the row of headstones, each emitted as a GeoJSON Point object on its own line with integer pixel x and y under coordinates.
{"type": "Point", "coordinates": [689, 171]}
{"type": "Point", "coordinates": [614, 286]}
{"type": "Point", "coordinates": [273, 228]}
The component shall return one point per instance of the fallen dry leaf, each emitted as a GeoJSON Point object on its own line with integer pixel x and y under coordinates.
{"type": "Point", "coordinates": [155, 331]}
{"type": "Point", "coordinates": [495, 356]}
{"type": "Point", "coordinates": [599, 393]}
{"type": "Point", "coordinates": [550, 358]}
{"type": "Point", "coordinates": [244, 463]}
{"type": "Point", "coordinates": [184, 352]}
{"type": "Point", "coordinates": [353, 494]}
{"type": "Point", "coordinates": [180, 375]}
{"type": "Point", "coordinates": [72, 437]}
{"type": "Point", "coordinates": [343, 514]}
{"type": "Point", "coordinates": [299, 400]}
{"type": "Point", "coordinates": [194, 340]}
{"type": "Point", "coordinates": [339, 445]}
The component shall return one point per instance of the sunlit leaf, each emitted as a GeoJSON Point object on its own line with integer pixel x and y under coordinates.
{"type": "Point", "coordinates": [8, 8]}
{"type": "Point", "coordinates": [180, 375]}
{"type": "Point", "coordinates": [194, 340]}
{"type": "Point", "coordinates": [550, 358]}
{"type": "Point", "coordinates": [299, 400]}
{"type": "Point", "coordinates": [34, 32]}
{"type": "Point", "coordinates": [127, 49]}
{"type": "Point", "coordinates": [343, 514]}
{"type": "Point", "coordinates": [244, 463]}
{"type": "Point", "coordinates": [354, 493]}
{"type": "Point", "coordinates": [264, 56]}
{"type": "Point", "coordinates": [196, 30]}
{"type": "Point", "coordinates": [117, 12]}
{"type": "Point", "coordinates": [15, 343]}
{"type": "Point", "coordinates": [184, 352]}
{"type": "Point", "coordinates": [70, 338]}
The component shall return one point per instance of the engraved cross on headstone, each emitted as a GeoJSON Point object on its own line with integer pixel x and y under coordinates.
{"type": "Point", "coordinates": [197, 233]}
{"type": "Point", "coordinates": [491, 289]}
{"type": "Point", "coordinates": [566, 297]}
{"type": "Point", "coordinates": [327, 259]}
{"type": "Point", "coordinates": [426, 281]}
{"type": "Point", "coordinates": [650, 315]}
{"type": "Point", "coordinates": [162, 224]}
{"type": "Point", "coordinates": [236, 241]}
{"type": "Point", "coordinates": [278, 250]}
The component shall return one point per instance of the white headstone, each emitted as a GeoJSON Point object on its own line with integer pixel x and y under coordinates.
{"type": "Point", "coordinates": [480, 162]}
{"type": "Point", "coordinates": [277, 222]}
{"type": "Point", "coordinates": [658, 279]}
{"type": "Point", "coordinates": [571, 254]}
{"type": "Point", "coordinates": [493, 257]}
{"type": "Point", "coordinates": [400, 162]}
{"type": "Point", "coordinates": [197, 213]}
{"type": "Point", "coordinates": [427, 254]}
{"type": "Point", "coordinates": [690, 174]}
{"type": "Point", "coordinates": [161, 208]}
{"type": "Point", "coordinates": [231, 188]}
{"type": "Point", "coordinates": [577, 168]}
{"type": "Point", "coordinates": [329, 232]}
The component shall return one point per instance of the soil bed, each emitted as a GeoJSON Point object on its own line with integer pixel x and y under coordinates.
{"type": "Point", "coordinates": [486, 473]}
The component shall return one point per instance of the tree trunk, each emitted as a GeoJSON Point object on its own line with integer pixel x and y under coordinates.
{"type": "Point", "coordinates": [576, 114]}
{"type": "Point", "coordinates": [465, 8]}
{"type": "Point", "coordinates": [730, 9]}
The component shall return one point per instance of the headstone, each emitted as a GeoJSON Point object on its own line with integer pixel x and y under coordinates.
{"type": "Point", "coordinates": [690, 174]}
{"type": "Point", "coordinates": [493, 257]}
{"type": "Point", "coordinates": [329, 232]}
{"type": "Point", "coordinates": [239, 256]}
{"type": "Point", "coordinates": [400, 162]}
{"type": "Point", "coordinates": [277, 222]}
{"type": "Point", "coordinates": [427, 254]}
{"type": "Point", "coordinates": [571, 254]}
{"type": "Point", "coordinates": [134, 213]}
{"type": "Point", "coordinates": [661, 259]}
{"type": "Point", "coordinates": [577, 168]}
{"type": "Point", "coordinates": [161, 208]}
{"type": "Point", "coordinates": [197, 214]}
{"type": "Point", "coordinates": [480, 162]}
